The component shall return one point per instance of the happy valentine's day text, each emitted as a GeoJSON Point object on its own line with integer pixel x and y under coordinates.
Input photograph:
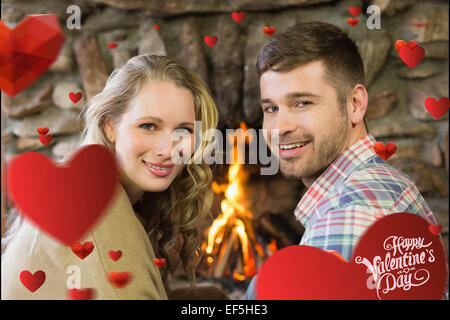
{"type": "Point", "coordinates": [394, 272]}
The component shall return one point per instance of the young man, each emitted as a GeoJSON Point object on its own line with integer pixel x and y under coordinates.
{"type": "Point", "coordinates": [312, 91]}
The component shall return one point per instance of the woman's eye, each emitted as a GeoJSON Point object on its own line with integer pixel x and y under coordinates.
{"type": "Point", "coordinates": [185, 130]}
{"type": "Point", "coordinates": [147, 126]}
{"type": "Point", "coordinates": [270, 109]}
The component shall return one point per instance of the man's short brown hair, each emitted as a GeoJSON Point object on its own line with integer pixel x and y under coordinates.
{"type": "Point", "coordinates": [315, 41]}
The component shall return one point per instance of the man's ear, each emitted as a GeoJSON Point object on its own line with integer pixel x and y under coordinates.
{"type": "Point", "coordinates": [109, 130]}
{"type": "Point", "coordinates": [359, 101]}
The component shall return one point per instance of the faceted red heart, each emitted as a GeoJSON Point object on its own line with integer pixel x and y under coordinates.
{"type": "Point", "coordinates": [81, 294]}
{"type": "Point", "coordinates": [83, 250]}
{"type": "Point", "coordinates": [28, 50]}
{"type": "Point", "coordinates": [238, 16]}
{"type": "Point", "coordinates": [211, 41]}
{"type": "Point", "coordinates": [32, 281]}
{"type": "Point", "coordinates": [45, 140]}
{"type": "Point", "coordinates": [115, 255]}
{"type": "Point", "coordinates": [396, 250]}
{"type": "Point", "coordinates": [437, 108]}
{"type": "Point", "coordinates": [75, 97]}
{"type": "Point", "coordinates": [269, 31]}
{"type": "Point", "coordinates": [385, 151]}
{"type": "Point", "coordinates": [63, 201]}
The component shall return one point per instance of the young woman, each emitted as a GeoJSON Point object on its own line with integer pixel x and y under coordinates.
{"type": "Point", "coordinates": [160, 202]}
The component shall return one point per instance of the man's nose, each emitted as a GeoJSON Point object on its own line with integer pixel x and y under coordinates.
{"type": "Point", "coordinates": [285, 122]}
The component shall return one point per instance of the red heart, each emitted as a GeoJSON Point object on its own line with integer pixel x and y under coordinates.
{"type": "Point", "coordinates": [81, 294]}
{"type": "Point", "coordinates": [75, 97]}
{"type": "Point", "coordinates": [210, 41]}
{"type": "Point", "coordinates": [353, 21]}
{"type": "Point", "coordinates": [119, 279]}
{"type": "Point", "coordinates": [304, 272]}
{"type": "Point", "coordinates": [32, 281]}
{"type": "Point", "coordinates": [160, 262]}
{"type": "Point", "coordinates": [156, 26]}
{"type": "Point", "coordinates": [42, 131]}
{"type": "Point", "coordinates": [354, 11]}
{"type": "Point", "coordinates": [385, 151]}
{"type": "Point", "coordinates": [112, 45]}
{"type": "Point", "coordinates": [45, 140]}
{"type": "Point", "coordinates": [435, 229]}
{"type": "Point", "coordinates": [437, 108]}
{"type": "Point", "coordinates": [115, 255]}
{"type": "Point", "coordinates": [412, 55]}
{"type": "Point", "coordinates": [269, 30]}
{"type": "Point", "coordinates": [28, 50]}
{"type": "Point", "coordinates": [238, 16]}
{"type": "Point", "coordinates": [420, 24]}
{"type": "Point", "coordinates": [83, 250]}
{"type": "Point", "coordinates": [64, 201]}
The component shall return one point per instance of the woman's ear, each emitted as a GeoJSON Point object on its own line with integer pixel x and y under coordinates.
{"type": "Point", "coordinates": [109, 130]}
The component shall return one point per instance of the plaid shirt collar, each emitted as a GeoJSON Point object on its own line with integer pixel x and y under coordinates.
{"type": "Point", "coordinates": [334, 176]}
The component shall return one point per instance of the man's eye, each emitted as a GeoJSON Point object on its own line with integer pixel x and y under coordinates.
{"type": "Point", "coordinates": [303, 104]}
{"type": "Point", "coordinates": [147, 126]}
{"type": "Point", "coordinates": [270, 109]}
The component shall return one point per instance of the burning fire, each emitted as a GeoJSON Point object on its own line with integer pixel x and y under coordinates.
{"type": "Point", "coordinates": [232, 229]}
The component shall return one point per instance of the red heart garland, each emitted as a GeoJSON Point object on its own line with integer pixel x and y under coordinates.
{"type": "Point", "coordinates": [437, 108]}
{"type": "Point", "coordinates": [238, 16]}
{"type": "Point", "coordinates": [75, 97]}
{"type": "Point", "coordinates": [45, 140]}
{"type": "Point", "coordinates": [354, 11]}
{"type": "Point", "coordinates": [385, 152]}
{"type": "Point", "coordinates": [119, 279]}
{"type": "Point", "coordinates": [32, 281]}
{"type": "Point", "coordinates": [115, 255]}
{"type": "Point", "coordinates": [66, 211]}
{"type": "Point", "coordinates": [83, 250]}
{"type": "Point", "coordinates": [211, 41]}
{"type": "Point", "coordinates": [269, 31]}
{"type": "Point", "coordinates": [353, 21]}
{"type": "Point", "coordinates": [160, 262]}
{"type": "Point", "coordinates": [81, 294]}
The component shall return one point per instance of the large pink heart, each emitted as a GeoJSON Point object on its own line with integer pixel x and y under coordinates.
{"type": "Point", "coordinates": [397, 271]}
{"type": "Point", "coordinates": [64, 201]}
{"type": "Point", "coordinates": [27, 51]}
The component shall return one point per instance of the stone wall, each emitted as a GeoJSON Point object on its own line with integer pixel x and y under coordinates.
{"type": "Point", "coordinates": [396, 108]}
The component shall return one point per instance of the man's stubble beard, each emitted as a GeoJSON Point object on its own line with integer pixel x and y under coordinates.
{"type": "Point", "coordinates": [319, 157]}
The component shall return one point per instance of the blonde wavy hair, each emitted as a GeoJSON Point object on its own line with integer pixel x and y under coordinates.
{"type": "Point", "coordinates": [179, 210]}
